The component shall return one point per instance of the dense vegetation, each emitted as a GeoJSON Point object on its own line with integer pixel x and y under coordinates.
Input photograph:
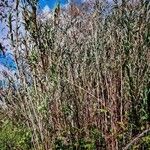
{"type": "Point", "coordinates": [84, 76]}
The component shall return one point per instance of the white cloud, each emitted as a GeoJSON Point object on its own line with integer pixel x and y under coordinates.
{"type": "Point", "coordinates": [46, 9]}
{"type": "Point", "coordinates": [46, 13]}
{"type": "Point", "coordinates": [65, 6]}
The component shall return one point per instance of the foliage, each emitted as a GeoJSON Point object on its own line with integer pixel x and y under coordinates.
{"type": "Point", "coordinates": [14, 137]}
{"type": "Point", "coordinates": [90, 76]}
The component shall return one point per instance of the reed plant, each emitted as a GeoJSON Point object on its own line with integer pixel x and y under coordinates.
{"type": "Point", "coordinates": [90, 77]}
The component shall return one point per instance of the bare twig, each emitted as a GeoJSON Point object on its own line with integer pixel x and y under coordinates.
{"type": "Point", "coordinates": [136, 139]}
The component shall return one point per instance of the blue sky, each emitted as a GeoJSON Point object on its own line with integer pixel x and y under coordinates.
{"type": "Point", "coordinates": [51, 3]}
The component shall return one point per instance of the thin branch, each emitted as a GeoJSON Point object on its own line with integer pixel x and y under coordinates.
{"type": "Point", "coordinates": [136, 139]}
